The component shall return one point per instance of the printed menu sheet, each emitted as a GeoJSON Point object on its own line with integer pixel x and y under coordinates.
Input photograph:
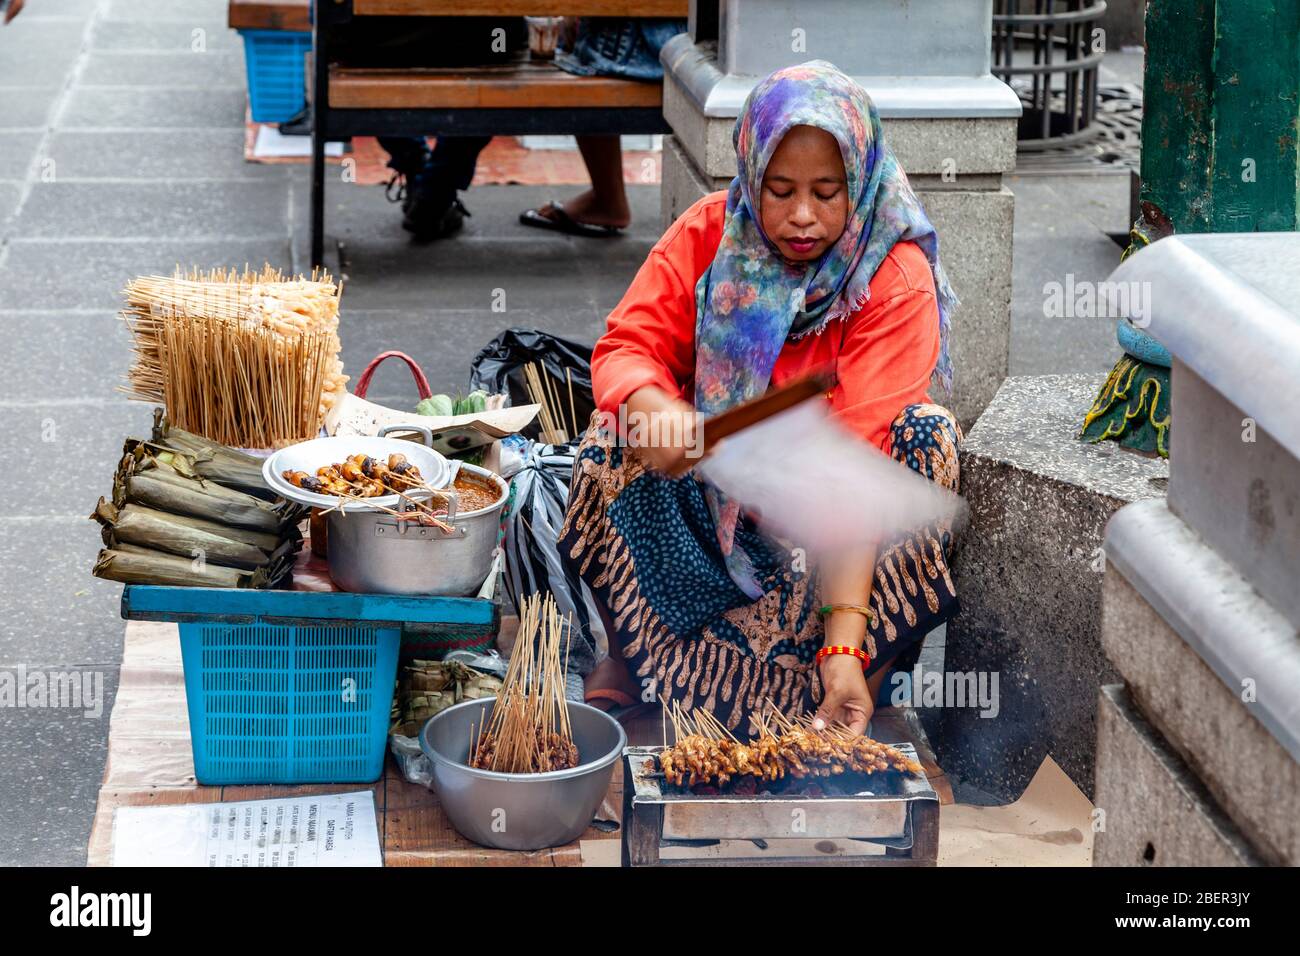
{"type": "Point", "coordinates": [336, 829]}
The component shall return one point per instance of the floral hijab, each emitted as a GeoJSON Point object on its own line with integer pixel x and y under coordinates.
{"type": "Point", "coordinates": [751, 300]}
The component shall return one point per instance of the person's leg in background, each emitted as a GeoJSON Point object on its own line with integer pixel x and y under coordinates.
{"type": "Point", "coordinates": [605, 203]}
{"type": "Point", "coordinates": [433, 209]}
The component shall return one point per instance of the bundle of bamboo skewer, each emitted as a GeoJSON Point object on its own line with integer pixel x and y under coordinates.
{"type": "Point", "coordinates": [246, 359]}
{"type": "Point", "coordinates": [556, 427]}
{"type": "Point", "coordinates": [529, 730]}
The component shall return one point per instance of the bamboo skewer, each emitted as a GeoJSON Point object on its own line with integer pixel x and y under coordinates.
{"type": "Point", "coordinates": [529, 730]}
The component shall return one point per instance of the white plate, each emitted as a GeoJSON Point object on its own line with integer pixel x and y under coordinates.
{"type": "Point", "coordinates": [310, 455]}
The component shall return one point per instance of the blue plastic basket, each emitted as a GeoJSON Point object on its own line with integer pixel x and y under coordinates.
{"type": "Point", "coordinates": [275, 703]}
{"type": "Point", "coordinates": [277, 86]}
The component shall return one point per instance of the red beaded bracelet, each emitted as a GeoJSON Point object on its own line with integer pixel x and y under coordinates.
{"type": "Point", "coordinates": [857, 652]}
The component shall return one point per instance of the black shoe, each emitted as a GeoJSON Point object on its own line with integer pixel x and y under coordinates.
{"type": "Point", "coordinates": [426, 221]}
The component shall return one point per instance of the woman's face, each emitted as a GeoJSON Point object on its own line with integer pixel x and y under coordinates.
{"type": "Point", "coordinates": [805, 201]}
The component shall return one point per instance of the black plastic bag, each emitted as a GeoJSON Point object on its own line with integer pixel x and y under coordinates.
{"type": "Point", "coordinates": [539, 478]}
{"type": "Point", "coordinates": [499, 367]}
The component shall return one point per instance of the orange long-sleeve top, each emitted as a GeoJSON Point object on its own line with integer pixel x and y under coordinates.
{"type": "Point", "coordinates": [882, 355]}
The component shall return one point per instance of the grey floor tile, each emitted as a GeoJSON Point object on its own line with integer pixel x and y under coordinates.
{"type": "Point", "coordinates": [191, 154]}
{"type": "Point", "coordinates": [17, 150]}
{"type": "Point", "coordinates": [444, 343]}
{"type": "Point", "coordinates": [53, 760]}
{"type": "Point", "coordinates": [80, 443]}
{"type": "Point", "coordinates": [56, 612]}
{"type": "Point", "coordinates": [1053, 241]}
{"type": "Point", "coordinates": [175, 70]}
{"type": "Point", "coordinates": [90, 275]}
{"type": "Point", "coordinates": [166, 35]}
{"type": "Point", "coordinates": [9, 193]}
{"type": "Point", "coordinates": [38, 52]}
{"type": "Point", "coordinates": [153, 108]}
{"type": "Point", "coordinates": [60, 9]}
{"type": "Point", "coordinates": [23, 107]}
{"type": "Point", "coordinates": [63, 356]}
{"type": "Point", "coordinates": [166, 10]}
{"type": "Point", "coordinates": [155, 210]}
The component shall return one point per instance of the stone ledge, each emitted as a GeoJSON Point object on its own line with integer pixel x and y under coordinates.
{"type": "Point", "coordinates": [969, 147]}
{"type": "Point", "coordinates": [1156, 812]}
{"type": "Point", "coordinates": [1029, 582]}
{"type": "Point", "coordinates": [1223, 620]}
{"type": "Point", "coordinates": [1242, 497]}
{"type": "Point", "coordinates": [1031, 426]}
{"type": "Point", "coordinates": [1255, 781]}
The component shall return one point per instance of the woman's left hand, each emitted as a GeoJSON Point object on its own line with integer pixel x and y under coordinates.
{"type": "Point", "coordinates": [845, 695]}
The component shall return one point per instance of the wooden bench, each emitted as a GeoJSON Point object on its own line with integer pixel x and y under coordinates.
{"type": "Point", "coordinates": [514, 98]}
{"type": "Point", "coordinates": [290, 15]}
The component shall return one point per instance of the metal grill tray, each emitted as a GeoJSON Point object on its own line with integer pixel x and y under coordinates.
{"type": "Point", "coordinates": [880, 813]}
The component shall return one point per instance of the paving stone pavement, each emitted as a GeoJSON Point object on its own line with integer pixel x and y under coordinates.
{"type": "Point", "coordinates": [120, 155]}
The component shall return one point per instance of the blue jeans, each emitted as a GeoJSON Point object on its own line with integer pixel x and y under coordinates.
{"type": "Point", "coordinates": [622, 47]}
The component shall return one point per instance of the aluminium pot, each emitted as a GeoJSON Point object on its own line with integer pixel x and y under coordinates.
{"type": "Point", "coordinates": [376, 553]}
{"type": "Point", "coordinates": [520, 811]}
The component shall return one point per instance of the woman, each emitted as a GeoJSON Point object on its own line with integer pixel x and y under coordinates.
{"type": "Point", "coordinates": [818, 256]}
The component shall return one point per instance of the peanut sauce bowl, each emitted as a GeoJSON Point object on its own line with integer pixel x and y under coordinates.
{"type": "Point", "coordinates": [520, 811]}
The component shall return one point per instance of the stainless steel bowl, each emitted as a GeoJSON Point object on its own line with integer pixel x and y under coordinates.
{"type": "Point", "coordinates": [513, 811]}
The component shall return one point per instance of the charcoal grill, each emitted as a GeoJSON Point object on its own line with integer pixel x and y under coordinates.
{"type": "Point", "coordinates": [885, 819]}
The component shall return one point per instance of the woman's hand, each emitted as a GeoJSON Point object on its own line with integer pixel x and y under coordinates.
{"type": "Point", "coordinates": [845, 695]}
{"type": "Point", "coordinates": [663, 429]}
{"type": "Point", "coordinates": [14, 7]}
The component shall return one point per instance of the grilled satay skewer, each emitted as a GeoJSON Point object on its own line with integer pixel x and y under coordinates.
{"type": "Point", "coordinates": [339, 488]}
{"type": "Point", "coordinates": [798, 751]}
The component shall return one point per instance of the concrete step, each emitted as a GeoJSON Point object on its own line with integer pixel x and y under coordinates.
{"type": "Point", "coordinates": [1213, 665]}
{"type": "Point", "coordinates": [1028, 576]}
{"type": "Point", "coordinates": [1153, 809]}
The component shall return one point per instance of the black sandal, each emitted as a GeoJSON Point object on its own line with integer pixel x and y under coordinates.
{"type": "Point", "coordinates": [561, 221]}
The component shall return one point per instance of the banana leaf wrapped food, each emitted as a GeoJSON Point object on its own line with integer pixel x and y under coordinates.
{"type": "Point", "coordinates": [130, 564]}
{"type": "Point", "coordinates": [212, 460]}
{"type": "Point", "coordinates": [157, 477]}
{"type": "Point", "coordinates": [429, 687]}
{"type": "Point", "coordinates": [186, 536]}
{"type": "Point", "coordinates": [191, 515]}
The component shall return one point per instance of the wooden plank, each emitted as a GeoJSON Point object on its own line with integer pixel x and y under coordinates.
{"type": "Point", "coordinates": [289, 15]}
{"type": "Point", "coordinates": [485, 88]}
{"type": "Point", "coordinates": [246, 605]}
{"type": "Point", "coordinates": [521, 8]}
{"type": "Point", "coordinates": [232, 793]}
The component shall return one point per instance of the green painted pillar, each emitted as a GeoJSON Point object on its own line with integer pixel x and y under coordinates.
{"type": "Point", "coordinates": [1220, 153]}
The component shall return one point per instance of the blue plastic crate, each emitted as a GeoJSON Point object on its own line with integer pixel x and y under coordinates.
{"type": "Point", "coordinates": [273, 703]}
{"type": "Point", "coordinates": [296, 686]}
{"type": "Point", "coordinates": [277, 86]}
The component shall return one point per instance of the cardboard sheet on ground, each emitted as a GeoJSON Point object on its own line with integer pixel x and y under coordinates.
{"type": "Point", "coordinates": [323, 830]}
{"type": "Point", "coordinates": [1050, 825]}
{"type": "Point", "coordinates": [272, 144]}
{"type": "Point", "coordinates": [150, 767]}
{"type": "Point", "coordinates": [814, 483]}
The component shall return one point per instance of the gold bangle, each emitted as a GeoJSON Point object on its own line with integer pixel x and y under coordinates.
{"type": "Point", "coordinates": [860, 609]}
